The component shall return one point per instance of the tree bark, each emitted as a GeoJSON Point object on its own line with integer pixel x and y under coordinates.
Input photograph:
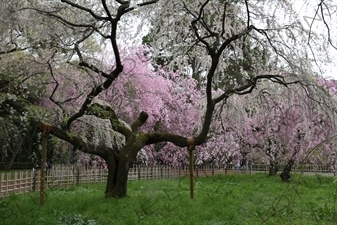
{"type": "Point", "coordinates": [11, 161]}
{"type": "Point", "coordinates": [273, 168]}
{"type": "Point", "coordinates": [118, 170]}
{"type": "Point", "coordinates": [112, 163]}
{"type": "Point", "coordinates": [285, 175]}
{"type": "Point", "coordinates": [120, 188]}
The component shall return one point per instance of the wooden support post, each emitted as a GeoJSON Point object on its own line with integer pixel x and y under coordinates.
{"type": "Point", "coordinates": [46, 128]}
{"type": "Point", "coordinates": [44, 136]}
{"type": "Point", "coordinates": [191, 174]}
{"type": "Point", "coordinates": [191, 147]}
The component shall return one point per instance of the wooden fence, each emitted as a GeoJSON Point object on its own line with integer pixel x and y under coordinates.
{"type": "Point", "coordinates": [65, 176]}
{"type": "Point", "coordinates": [310, 169]}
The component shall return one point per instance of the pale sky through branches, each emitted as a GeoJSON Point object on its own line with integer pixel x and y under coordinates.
{"type": "Point", "coordinates": [310, 16]}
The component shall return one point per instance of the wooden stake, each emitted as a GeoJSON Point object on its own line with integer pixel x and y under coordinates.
{"type": "Point", "coordinates": [44, 137]}
{"type": "Point", "coordinates": [190, 149]}
{"type": "Point", "coordinates": [46, 128]}
{"type": "Point", "coordinates": [190, 144]}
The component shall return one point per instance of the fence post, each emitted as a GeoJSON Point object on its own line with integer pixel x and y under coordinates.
{"type": "Point", "coordinates": [168, 171]}
{"type": "Point", "coordinates": [20, 181]}
{"type": "Point", "coordinates": [146, 175]}
{"type": "Point", "coordinates": [101, 174]}
{"type": "Point", "coordinates": [77, 176]}
{"type": "Point", "coordinates": [34, 179]}
{"type": "Point", "coordinates": [1, 184]}
{"type": "Point", "coordinates": [212, 166]}
{"type": "Point", "coordinates": [6, 193]}
{"type": "Point", "coordinates": [191, 148]}
{"type": "Point", "coordinates": [138, 167]}
{"type": "Point", "coordinates": [46, 128]}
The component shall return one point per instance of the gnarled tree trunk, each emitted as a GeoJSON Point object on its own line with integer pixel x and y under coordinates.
{"type": "Point", "coordinates": [120, 187]}
{"type": "Point", "coordinates": [118, 170]}
{"type": "Point", "coordinates": [11, 160]}
{"type": "Point", "coordinates": [273, 168]}
{"type": "Point", "coordinates": [112, 163]}
{"type": "Point", "coordinates": [285, 175]}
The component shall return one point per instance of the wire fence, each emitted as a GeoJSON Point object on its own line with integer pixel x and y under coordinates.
{"type": "Point", "coordinates": [19, 182]}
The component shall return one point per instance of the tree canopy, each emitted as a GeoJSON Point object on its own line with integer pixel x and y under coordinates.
{"type": "Point", "coordinates": [69, 63]}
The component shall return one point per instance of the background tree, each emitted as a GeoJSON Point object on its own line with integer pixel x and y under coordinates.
{"type": "Point", "coordinates": [285, 124]}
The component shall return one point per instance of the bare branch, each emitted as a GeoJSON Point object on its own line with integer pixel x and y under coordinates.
{"type": "Point", "coordinates": [93, 93]}
{"type": "Point", "coordinates": [76, 141]}
{"type": "Point", "coordinates": [195, 28]}
{"type": "Point", "coordinates": [89, 66]}
{"type": "Point", "coordinates": [106, 10]}
{"type": "Point", "coordinates": [156, 137]}
{"type": "Point", "coordinates": [234, 38]}
{"type": "Point", "coordinates": [326, 24]}
{"type": "Point", "coordinates": [122, 2]}
{"type": "Point", "coordinates": [51, 97]}
{"type": "Point", "coordinates": [140, 5]}
{"type": "Point", "coordinates": [271, 43]}
{"type": "Point", "coordinates": [249, 87]}
{"type": "Point", "coordinates": [248, 13]}
{"type": "Point", "coordinates": [110, 77]}
{"type": "Point", "coordinates": [139, 121]}
{"type": "Point", "coordinates": [309, 36]}
{"type": "Point", "coordinates": [224, 19]}
{"type": "Point", "coordinates": [13, 50]}
{"type": "Point", "coordinates": [85, 9]}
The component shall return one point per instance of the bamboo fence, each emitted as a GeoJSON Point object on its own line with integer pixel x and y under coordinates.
{"type": "Point", "coordinates": [61, 176]}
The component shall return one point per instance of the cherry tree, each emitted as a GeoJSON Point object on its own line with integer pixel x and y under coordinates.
{"type": "Point", "coordinates": [287, 125]}
{"type": "Point", "coordinates": [70, 39]}
{"type": "Point", "coordinates": [329, 86]}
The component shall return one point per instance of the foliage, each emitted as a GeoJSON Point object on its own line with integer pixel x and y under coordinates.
{"type": "Point", "coordinates": [77, 219]}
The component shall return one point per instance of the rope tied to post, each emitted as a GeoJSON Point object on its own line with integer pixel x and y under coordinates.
{"type": "Point", "coordinates": [190, 144]}
{"type": "Point", "coordinates": [46, 127]}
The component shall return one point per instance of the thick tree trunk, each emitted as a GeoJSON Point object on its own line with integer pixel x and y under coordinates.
{"type": "Point", "coordinates": [112, 175]}
{"type": "Point", "coordinates": [11, 160]}
{"type": "Point", "coordinates": [122, 179]}
{"type": "Point", "coordinates": [273, 168]}
{"type": "Point", "coordinates": [285, 175]}
{"type": "Point", "coordinates": [117, 178]}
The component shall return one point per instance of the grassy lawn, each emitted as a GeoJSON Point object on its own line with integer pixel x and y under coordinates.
{"type": "Point", "coordinates": [233, 199]}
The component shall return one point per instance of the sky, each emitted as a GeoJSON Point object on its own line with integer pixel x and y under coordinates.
{"type": "Point", "coordinates": [306, 10]}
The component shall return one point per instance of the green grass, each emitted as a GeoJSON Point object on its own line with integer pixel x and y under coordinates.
{"type": "Point", "coordinates": [219, 200]}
